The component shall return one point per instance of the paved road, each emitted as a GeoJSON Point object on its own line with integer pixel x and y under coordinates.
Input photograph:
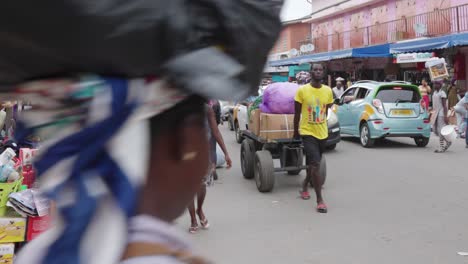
{"type": "Point", "coordinates": [391, 204]}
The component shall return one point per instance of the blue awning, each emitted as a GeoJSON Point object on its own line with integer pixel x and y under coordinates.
{"type": "Point", "coordinates": [364, 52]}
{"type": "Point", "coordinates": [317, 57]}
{"type": "Point", "coordinates": [376, 51]}
{"type": "Point", "coordinates": [460, 39]}
{"type": "Point", "coordinates": [430, 43]}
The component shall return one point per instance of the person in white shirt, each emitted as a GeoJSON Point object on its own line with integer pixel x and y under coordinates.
{"type": "Point", "coordinates": [462, 114]}
{"type": "Point", "coordinates": [339, 89]}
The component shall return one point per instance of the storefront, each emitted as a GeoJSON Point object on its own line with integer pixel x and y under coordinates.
{"type": "Point", "coordinates": [412, 66]}
{"type": "Point", "coordinates": [411, 55]}
{"type": "Point", "coordinates": [460, 69]}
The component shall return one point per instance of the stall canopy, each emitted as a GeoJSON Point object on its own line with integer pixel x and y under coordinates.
{"type": "Point", "coordinates": [460, 39]}
{"type": "Point", "coordinates": [430, 43]}
{"type": "Point", "coordinates": [317, 57]}
{"type": "Point", "coordinates": [364, 52]}
{"type": "Point", "coordinates": [376, 51]}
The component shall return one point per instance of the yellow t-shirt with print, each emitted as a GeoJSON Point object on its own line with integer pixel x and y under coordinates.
{"type": "Point", "coordinates": [314, 110]}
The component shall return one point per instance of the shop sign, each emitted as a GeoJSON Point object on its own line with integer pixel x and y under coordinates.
{"type": "Point", "coordinates": [414, 57]}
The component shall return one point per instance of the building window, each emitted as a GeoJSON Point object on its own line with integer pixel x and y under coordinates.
{"type": "Point", "coordinates": [284, 44]}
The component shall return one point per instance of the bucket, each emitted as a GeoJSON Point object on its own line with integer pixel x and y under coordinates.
{"type": "Point", "coordinates": [449, 133]}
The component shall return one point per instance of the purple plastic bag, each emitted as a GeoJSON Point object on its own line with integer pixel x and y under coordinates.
{"type": "Point", "coordinates": [278, 98]}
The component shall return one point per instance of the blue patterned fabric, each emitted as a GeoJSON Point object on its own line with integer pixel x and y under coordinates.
{"type": "Point", "coordinates": [77, 165]}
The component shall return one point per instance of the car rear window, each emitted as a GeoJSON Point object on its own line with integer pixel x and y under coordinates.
{"type": "Point", "coordinates": [398, 94]}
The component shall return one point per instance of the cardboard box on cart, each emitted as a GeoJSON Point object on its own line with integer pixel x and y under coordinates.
{"type": "Point", "coordinates": [276, 126]}
{"type": "Point", "coordinates": [254, 122]}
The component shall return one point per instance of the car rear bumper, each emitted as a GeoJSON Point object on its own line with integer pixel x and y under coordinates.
{"type": "Point", "coordinates": [334, 136]}
{"type": "Point", "coordinates": [400, 128]}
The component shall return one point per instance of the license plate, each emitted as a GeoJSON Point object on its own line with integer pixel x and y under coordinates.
{"type": "Point", "coordinates": [335, 130]}
{"type": "Point", "coordinates": [402, 112]}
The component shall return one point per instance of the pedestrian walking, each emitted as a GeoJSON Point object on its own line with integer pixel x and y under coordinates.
{"type": "Point", "coordinates": [216, 106]}
{"type": "Point", "coordinates": [425, 91]}
{"type": "Point", "coordinates": [339, 89]}
{"type": "Point", "coordinates": [461, 113]}
{"type": "Point", "coordinates": [213, 133]}
{"type": "Point", "coordinates": [439, 117]}
{"type": "Point", "coordinates": [310, 122]}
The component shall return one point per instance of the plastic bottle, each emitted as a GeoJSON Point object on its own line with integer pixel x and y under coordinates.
{"type": "Point", "coordinates": [5, 172]}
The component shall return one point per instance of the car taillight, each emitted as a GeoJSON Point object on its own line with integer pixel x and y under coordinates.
{"type": "Point", "coordinates": [427, 120]}
{"type": "Point", "coordinates": [423, 107]}
{"type": "Point", "coordinates": [378, 105]}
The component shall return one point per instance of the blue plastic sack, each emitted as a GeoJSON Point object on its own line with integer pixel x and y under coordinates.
{"type": "Point", "coordinates": [278, 98]}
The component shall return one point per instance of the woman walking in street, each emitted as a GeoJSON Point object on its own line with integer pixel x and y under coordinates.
{"type": "Point", "coordinates": [213, 133]}
{"type": "Point", "coordinates": [425, 91]}
{"type": "Point", "coordinates": [439, 117]}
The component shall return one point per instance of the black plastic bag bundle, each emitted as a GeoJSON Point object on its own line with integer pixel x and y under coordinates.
{"type": "Point", "coordinates": [215, 48]}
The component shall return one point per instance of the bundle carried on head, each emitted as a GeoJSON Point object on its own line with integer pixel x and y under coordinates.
{"type": "Point", "coordinates": [199, 45]}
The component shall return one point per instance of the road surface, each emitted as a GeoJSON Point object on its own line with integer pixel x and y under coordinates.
{"type": "Point", "coordinates": [394, 203]}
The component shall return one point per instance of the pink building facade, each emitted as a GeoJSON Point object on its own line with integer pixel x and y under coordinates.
{"type": "Point", "coordinates": [339, 25]}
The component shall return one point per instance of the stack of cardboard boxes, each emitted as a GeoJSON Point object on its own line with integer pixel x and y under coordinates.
{"type": "Point", "coordinates": [12, 230]}
{"type": "Point", "coordinates": [271, 126]}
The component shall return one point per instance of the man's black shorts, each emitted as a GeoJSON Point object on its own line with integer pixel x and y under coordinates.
{"type": "Point", "coordinates": [313, 148]}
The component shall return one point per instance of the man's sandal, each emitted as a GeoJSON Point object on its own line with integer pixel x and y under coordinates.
{"type": "Point", "coordinates": [322, 208]}
{"type": "Point", "coordinates": [204, 223]}
{"type": "Point", "coordinates": [305, 195]}
{"type": "Point", "coordinates": [193, 229]}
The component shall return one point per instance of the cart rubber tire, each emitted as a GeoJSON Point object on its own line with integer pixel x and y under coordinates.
{"type": "Point", "coordinates": [239, 137]}
{"type": "Point", "coordinates": [295, 161]}
{"type": "Point", "coordinates": [264, 171]}
{"type": "Point", "coordinates": [247, 158]}
{"type": "Point", "coordinates": [421, 142]}
{"type": "Point", "coordinates": [322, 171]}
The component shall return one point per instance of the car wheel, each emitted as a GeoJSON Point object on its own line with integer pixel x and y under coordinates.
{"type": "Point", "coordinates": [331, 147]}
{"type": "Point", "coordinates": [230, 125]}
{"type": "Point", "coordinates": [239, 137]}
{"type": "Point", "coordinates": [421, 141]}
{"type": "Point", "coordinates": [366, 140]}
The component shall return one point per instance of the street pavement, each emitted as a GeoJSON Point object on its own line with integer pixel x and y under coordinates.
{"type": "Point", "coordinates": [394, 203]}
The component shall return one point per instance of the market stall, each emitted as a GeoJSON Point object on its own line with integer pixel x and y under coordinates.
{"type": "Point", "coordinates": [24, 212]}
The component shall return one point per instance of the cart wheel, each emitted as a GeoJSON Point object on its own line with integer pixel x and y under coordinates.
{"type": "Point", "coordinates": [264, 171]}
{"type": "Point", "coordinates": [247, 158]}
{"type": "Point", "coordinates": [322, 171]}
{"type": "Point", "coordinates": [296, 158]}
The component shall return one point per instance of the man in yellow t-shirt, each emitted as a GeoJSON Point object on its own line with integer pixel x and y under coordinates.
{"type": "Point", "coordinates": [310, 122]}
